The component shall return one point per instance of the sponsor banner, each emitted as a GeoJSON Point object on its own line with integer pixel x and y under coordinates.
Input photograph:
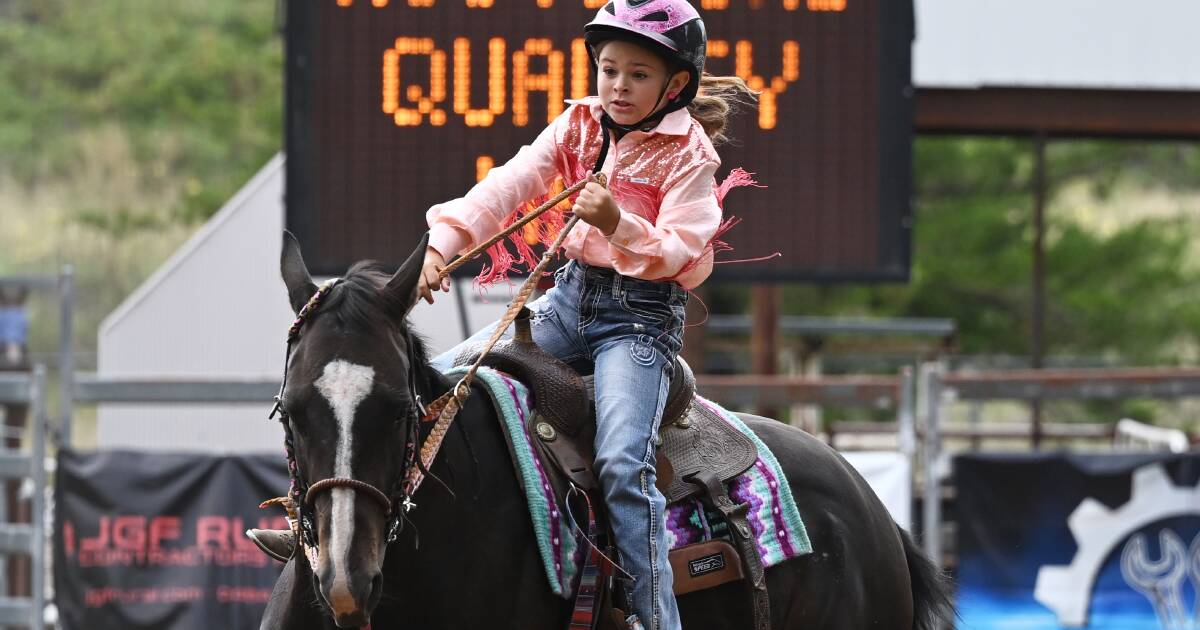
{"type": "Point", "coordinates": [155, 541]}
{"type": "Point", "coordinates": [1048, 541]}
{"type": "Point", "coordinates": [890, 475]}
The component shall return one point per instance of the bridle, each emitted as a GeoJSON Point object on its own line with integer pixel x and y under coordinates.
{"type": "Point", "coordinates": [302, 496]}
{"type": "Point", "coordinates": [418, 455]}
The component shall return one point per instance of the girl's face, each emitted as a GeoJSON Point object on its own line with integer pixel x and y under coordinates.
{"type": "Point", "coordinates": [631, 79]}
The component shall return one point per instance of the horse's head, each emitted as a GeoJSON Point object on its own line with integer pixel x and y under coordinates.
{"type": "Point", "coordinates": [349, 406]}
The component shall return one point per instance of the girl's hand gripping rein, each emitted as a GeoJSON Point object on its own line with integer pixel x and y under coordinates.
{"type": "Point", "coordinates": [595, 205]}
{"type": "Point", "coordinates": [430, 271]}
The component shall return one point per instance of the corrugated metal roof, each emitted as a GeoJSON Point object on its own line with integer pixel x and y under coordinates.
{"type": "Point", "coordinates": [1110, 44]}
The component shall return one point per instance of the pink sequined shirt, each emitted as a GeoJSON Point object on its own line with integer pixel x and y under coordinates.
{"type": "Point", "coordinates": [661, 180]}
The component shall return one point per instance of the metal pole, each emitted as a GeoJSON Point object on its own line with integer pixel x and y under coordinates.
{"type": "Point", "coordinates": [66, 353]}
{"type": "Point", "coordinates": [932, 512]}
{"type": "Point", "coordinates": [1039, 275]}
{"type": "Point", "coordinates": [37, 519]}
{"type": "Point", "coordinates": [460, 299]}
{"type": "Point", "coordinates": [907, 417]}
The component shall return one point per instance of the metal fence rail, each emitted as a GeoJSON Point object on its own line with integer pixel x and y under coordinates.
{"type": "Point", "coordinates": [1075, 384]}
{"type": "Point", "coordinates": [777, 391]}
{"type": "Point", "coordinates": [90, 388]}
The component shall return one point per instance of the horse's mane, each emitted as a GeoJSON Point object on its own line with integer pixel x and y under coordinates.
{"type": "Point", "coordinates": [357, 302]}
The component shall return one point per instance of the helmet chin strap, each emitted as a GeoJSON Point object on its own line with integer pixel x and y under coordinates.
{"type": "Point", "coordinates": [607, 124]}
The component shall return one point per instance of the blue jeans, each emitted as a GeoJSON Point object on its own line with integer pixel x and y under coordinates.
{"type": "Point", "coordinates": [627, 332]}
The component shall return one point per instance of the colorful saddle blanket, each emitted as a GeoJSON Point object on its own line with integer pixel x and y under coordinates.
{"type": "Point", "coordinates": [773, 516]}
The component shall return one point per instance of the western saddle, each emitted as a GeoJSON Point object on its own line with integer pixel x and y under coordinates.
{"type": "Point", "coordinates": [698, 452]}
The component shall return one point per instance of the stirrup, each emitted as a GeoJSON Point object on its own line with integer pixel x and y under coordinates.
{"type": "Point", "coordinates": [280, 544]}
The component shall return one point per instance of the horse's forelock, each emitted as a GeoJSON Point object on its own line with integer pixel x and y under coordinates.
{"type": "Point", "coordinates": [358, 302]}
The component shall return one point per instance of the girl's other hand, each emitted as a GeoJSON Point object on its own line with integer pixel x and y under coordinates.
{"type": "Point", "coordinates": [429, 281]}
{"type": "Point", "coordinates": [596, 206]}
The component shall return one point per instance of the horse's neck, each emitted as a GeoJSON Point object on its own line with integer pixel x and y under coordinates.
{"type": "Point", "coordinates": [466, 541]}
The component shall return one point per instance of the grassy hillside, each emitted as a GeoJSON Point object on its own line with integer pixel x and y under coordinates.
{"type": "Point", "coordinates": [123, 125]}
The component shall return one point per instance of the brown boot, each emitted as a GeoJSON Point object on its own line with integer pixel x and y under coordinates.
{"type": "Point", "coordinates": [277, 543]}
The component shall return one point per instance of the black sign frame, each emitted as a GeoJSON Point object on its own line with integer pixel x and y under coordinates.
{"type": "Point", "coordinates": [823, 238]}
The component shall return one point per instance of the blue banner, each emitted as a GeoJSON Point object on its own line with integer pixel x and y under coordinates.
{"type": "Point", "coordinates": [1050, 541]}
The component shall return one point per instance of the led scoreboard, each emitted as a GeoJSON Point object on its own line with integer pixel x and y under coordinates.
{"type": "Point", "coordinates": [395, 105]}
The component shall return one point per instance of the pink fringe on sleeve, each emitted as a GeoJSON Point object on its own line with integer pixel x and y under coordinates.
{"type": "Point", "coordinates": [738, 177]}
{"type": "Point", "coordinates": [542, 231]}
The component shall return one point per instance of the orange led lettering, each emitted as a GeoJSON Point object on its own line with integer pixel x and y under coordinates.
{"type": "Point", "coordinates": [483, 164]}
{"type": "Point", "coordinates": [379, 4]}
{"type": "Point", "coordinates": [345, 3]}
{"type": "Point", "coordinates": [462, 82]}
{"type": "Point", "coordinates": [594, 4]}
{"type": "Point", "coordinates": [581, 68]}
{"type": "Point", "coordinates": [415, 94]}
{"type": "Point", "coordinates": [768, 93]}
{"type": "Point", "coordinates": [826, 5]}
{"type": "Point", "coordinates": [479, 4]}
{"type": "Point", "coordinates": [717, 49]}
{"type": "Point", "coordinates": [523, 83]}
{"type": "Point", "coordinates": [714, 5]}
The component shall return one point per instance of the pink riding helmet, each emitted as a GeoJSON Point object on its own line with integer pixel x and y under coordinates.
{"type": "Point", "coordinates": [672, 27]}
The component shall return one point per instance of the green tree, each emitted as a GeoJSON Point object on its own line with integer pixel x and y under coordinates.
{"type": "Point", "coordinates": [123, 125]}
{"type": "Point", "coordinates": [1122, 295]}
{"type": "Point", "coordinates": [194, 85]}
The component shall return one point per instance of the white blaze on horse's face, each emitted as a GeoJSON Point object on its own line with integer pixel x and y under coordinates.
{"type": "Point", "coordinates": [344, 385]}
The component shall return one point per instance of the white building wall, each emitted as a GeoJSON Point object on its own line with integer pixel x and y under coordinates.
{"type": "Point", "coordinates": [215, 309]}
{"type": "Point", "coordinates": [1150, 44]}
{"type": "Point", "coordinates": [218, 309]}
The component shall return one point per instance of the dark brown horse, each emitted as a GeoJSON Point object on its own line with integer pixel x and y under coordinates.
{"type": "Point", "coordinates": [466, 556]}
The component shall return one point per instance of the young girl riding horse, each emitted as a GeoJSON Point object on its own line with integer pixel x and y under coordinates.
{"type": "Point", "coordinates": [617, 307]}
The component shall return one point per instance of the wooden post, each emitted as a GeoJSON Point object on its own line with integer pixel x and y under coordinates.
{"type": "Point", "coordinates": [693, 331]}
{"type": "Point", "coordinates": [764, 336]}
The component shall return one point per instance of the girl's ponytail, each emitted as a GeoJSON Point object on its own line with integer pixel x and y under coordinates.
{"type": "Point", "coordinates": [717, 99]}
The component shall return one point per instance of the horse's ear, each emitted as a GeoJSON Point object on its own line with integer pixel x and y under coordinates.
{"type": "Point", "coordinates": [403, 284]}
{"type": "Point", "coordinates": [300, 286]}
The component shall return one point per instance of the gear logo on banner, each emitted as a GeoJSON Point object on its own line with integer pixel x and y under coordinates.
{"type": "Point", "coordinates": [1098, 531]}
